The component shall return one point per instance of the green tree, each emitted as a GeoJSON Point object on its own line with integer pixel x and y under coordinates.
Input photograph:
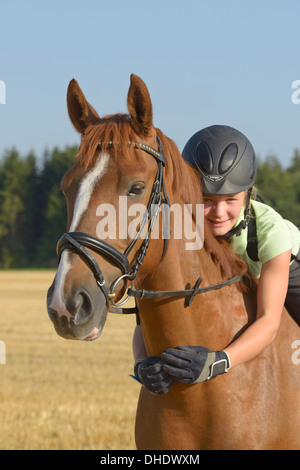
{"type": "Point", "coordinates": [17, 189]}
{"type": "Point", "coordinates": [277, 188]}
{"type": "Point", "coordinates": [53, 210]}
{"type": "Point", "coordinates": [294, 171]}
{"type": "Point", "coordinates": [33, 209]}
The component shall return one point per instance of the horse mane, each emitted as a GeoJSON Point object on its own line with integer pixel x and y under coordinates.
{"type": "Point", "coordinates": [114, 131]}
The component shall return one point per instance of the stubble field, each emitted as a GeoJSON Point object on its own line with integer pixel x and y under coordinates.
{"type": "Point", "coordinates": [57, 393]}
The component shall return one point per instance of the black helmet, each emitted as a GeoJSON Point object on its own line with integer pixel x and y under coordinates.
{"type": "Point", "coordinates": [225, 158]}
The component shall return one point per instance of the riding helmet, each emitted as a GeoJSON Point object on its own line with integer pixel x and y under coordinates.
{"type": "Point", "coordinates": [225, 158]}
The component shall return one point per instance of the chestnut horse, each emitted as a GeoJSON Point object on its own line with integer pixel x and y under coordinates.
{"type": "Point", "coordinates": [257, 404]}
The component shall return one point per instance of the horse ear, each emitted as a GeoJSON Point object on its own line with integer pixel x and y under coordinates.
{"type": "Point", "coordinates": [81, 113]}
{"type": "Point", "coordinates": [139, 106]}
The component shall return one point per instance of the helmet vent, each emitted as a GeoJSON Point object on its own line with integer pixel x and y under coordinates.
{"type": "Point", "coordinates": [204, 157]}
{"type": "Point", "coordinates": [228, 158]}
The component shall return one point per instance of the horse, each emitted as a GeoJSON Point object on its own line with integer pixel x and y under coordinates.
{"type": "Point", "coordinates": [256, 405]}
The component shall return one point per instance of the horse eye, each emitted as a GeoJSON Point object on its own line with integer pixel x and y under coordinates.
{"type": "Point", "coordinates": [136, 189]}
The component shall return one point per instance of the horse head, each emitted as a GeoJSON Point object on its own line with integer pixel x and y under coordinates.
{"type": "Point", "coordinates": [111, 174]}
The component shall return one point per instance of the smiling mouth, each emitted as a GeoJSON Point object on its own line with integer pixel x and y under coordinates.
{"type": "Point", "coordinates": [218, 223]}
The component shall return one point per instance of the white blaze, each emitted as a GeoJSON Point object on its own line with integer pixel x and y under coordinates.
{"type": "Point", "coordinates": [86, 189]}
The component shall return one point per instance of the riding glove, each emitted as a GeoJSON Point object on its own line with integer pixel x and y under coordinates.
{"type": "Point", "coordinates": [149, 372]}
{"type": "Point", "coordinates": [194, 364]}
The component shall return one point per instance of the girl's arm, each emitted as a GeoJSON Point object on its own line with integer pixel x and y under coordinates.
{"type": "Point", "coordinates": [186, 363]}
{"type": "Point", "coordinates": [138, 345]}
{"type": "Point", "coordinates": [271, 294]}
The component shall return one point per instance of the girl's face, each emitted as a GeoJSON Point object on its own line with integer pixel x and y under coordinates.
{"type": "Point", "coordinates": [222, 211]}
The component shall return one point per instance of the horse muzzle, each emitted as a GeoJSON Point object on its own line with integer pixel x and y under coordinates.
{"type": "Point", "coordinates": [82, 317]}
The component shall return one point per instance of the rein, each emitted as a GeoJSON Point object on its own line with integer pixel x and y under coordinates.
{"type": "Point", "coordinates": [77, 241]}
{"type": "Point", "coordinates": [189, 293]}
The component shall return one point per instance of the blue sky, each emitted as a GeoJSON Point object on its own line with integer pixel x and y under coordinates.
{"type": "Point", "coordinates": [205, 62]}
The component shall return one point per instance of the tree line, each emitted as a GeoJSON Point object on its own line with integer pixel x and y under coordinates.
{"type": "Point", "coordinates": [33, 209]}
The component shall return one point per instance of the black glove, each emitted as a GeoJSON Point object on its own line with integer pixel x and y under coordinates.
{"type": "Point", "coordinates": [150, 373]}
{"type": "Point", "coordinates": [194, 364]}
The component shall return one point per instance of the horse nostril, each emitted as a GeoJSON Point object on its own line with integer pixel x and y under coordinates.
{"type": "Point", "coordinates": [81, 307]}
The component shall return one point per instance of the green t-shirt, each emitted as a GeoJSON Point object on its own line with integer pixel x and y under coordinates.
{"type": "Point", "coordinates": [275, 235]}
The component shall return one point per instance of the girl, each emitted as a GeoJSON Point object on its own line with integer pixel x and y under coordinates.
{"type": "Point", "coordinates": [227, 164]}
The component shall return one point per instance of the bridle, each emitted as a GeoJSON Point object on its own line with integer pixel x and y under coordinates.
{"type": "Point", "coordinates": [77, 241]}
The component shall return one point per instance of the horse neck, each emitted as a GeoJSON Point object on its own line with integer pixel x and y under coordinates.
{"type": "Point", "coordinates": [180, 267]}
{"type": "Point", "coordinates": [168, 321]}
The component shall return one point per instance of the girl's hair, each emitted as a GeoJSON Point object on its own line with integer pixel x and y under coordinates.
{"type": "Point", "coordinates": [253, 197]}
{"type": "Point", "coordinates": [254, 193]}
